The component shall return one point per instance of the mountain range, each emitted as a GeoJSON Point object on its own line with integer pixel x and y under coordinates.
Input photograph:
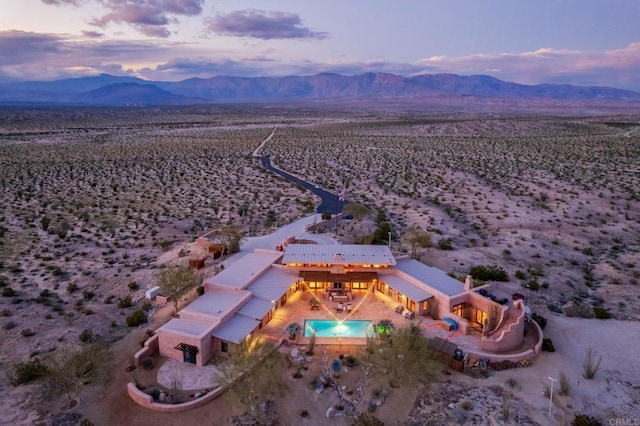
{"type": "Point", "coordinates": [106, 89]}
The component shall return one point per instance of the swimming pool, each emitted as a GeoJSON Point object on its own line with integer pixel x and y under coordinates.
{"type": "Point", "coordinates": [332, 328]}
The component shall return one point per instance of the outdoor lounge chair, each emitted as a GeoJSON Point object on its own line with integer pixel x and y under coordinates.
{"type": "Point", "coordinates": [349, 307]}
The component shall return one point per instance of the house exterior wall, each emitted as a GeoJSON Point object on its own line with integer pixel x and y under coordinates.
{"type": "Point", "coordinates": [168, 342]}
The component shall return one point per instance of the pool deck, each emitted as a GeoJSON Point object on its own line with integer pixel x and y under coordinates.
{"type": "Point", "coordinates": [366, 305]}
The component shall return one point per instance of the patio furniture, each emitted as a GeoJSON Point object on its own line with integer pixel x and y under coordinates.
{"type": "Point", "coordinates": [349, 307]}
{"type": "Point", "coordinates": [399, 309]}
{"type": "Point", "coordinates": [339, 307]}
{"type": "Point", "coordinates": [409, 314]}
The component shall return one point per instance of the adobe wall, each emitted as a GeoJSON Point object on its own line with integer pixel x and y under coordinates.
{"type": "Point", "coordinates": [146, 401]}
{"type": "Point", "coordinates": [529, 354]}
{"type": "Point", "coordinates": [509, 338]}
{"type": "Point", "coordinates": [168, 342]}
{"type": "Point", "coordinates": [151, 347]}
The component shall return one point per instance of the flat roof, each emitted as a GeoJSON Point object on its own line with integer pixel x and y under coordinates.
{"type": "Point", "coordinates": [338, 254]}
{"type": "Point", "coordinates": [432, 277]}
{"type": "Point", "coordinates": [273, 284]}
{"type": "Point", "coordinates": [186, 327]}
{"type": "Point", "coordinates": [412, 291]}
{"type": "Point", "coordinates": [236, 329]}
{"type": "Point", "coordinates": [214, 304]}
{"type": "Point", "coordinates": [256, 308]}
{"type": "Point", "coordinates": [244, 270]}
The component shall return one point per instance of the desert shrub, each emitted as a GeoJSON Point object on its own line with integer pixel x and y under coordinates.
{"type": "Point", "coordinates": [8, 292]}
{"type": "Point", "coordinates": [27, 332]}
{"type": "Point", "coordinates": [376, 393]}
{"type": "Point", "coordinates": [533, 284]}
{"type": "Point", "coordinates": [26, 371]}
{"type": "Point", "coordinates": [542, 321]}
{"type": "Point", "coordinates": [133, 286]}
{"type": "Point", "coordinates": [147, 306]}
{"type": "Point", "coordinates": [445, 244]}
{"type": "Point", "coordinates": [109, 299]}
{"type": "Point", "coordinates": [86, 336]}
{"type": "Point", "coordinates": [125, 302]}
{"type": "Point", "coordinates": [200, 290]}
{"type": "Point", "coordinates": [366, 419]}
{"type": "Point", "coordinates": [325, 216]}
{"type": "Point", "coordinates": [9, 325]}
{"type": "Point", "coordinates": [312, 343]}
{"type": "Point", "coordinates": [137, 318]}
{"type": "Point", "coordinates": [565, 386]}
{"type": "Point", "coordinates": [58, 271]}
{"type": "Point", "coordinates": [579, 309]}
{"type": "Point", "coordinates": [547, 345]}
{"type": "Point", "coordinates": [316, 382]}
{"type": "Point", "coordinates": [153, 392]}
{"type": "Point", "coordinates": [601, 313]}
{"type": "Point", "coordinates": [585, 420]}
{"type": "Point", "coordinates": [554, 308]}
{"type": "Point", "coordinates": [467, 405]}
{"type": "Point", "coordinates": [590, 364]}
{"type": "Point", "coordinates": [489, 273]}
{"type": "Point", "coordinates": [350, 361]}
{"type": "Point", "coordinates": [147, 363]}
{"type": "Point", "coordinates": [521, 275]}
{"type": "Point", "coordinates": [5, 313]}
{"type": "Point", "coordinates": [72, 288]}
{"type": "Point", "coordinates": [512, 382]}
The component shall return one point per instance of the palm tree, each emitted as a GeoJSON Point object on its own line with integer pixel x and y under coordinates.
{"type": "Point", "coordinates": [292, 329]}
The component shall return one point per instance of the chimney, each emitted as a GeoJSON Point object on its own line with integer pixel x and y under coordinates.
{"type": "Point", "coordinates": [468, 283]}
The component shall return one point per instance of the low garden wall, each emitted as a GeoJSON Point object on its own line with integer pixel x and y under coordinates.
{"type": "Point", "coordinates": [325, 225]}
{"type": "Point", "coordinates": [151, 347]}
{"type": "Point", "coordinates": [147, 401]}
{"type": "Point", "coordinates": [528, 355]}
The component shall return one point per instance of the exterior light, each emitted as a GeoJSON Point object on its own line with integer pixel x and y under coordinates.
{"type": "Point", "coordinates": [551, 393]}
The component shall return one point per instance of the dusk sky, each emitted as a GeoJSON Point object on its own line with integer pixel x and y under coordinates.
{"type": "Point", "coordinates": [583, 42]}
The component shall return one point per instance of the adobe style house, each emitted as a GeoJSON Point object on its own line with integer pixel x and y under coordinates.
{"type": "Point", "coordinates": [245, 296]}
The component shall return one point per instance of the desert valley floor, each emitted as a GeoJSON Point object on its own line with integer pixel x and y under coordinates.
{"type": "Point", "coordinates": [92, 198]}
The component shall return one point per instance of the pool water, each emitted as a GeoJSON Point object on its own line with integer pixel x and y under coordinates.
{"type": "Point", "coordinates": [332, 328]}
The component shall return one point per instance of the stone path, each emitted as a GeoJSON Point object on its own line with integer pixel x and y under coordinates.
{"type": "Point", "coordinates": [190, 376]}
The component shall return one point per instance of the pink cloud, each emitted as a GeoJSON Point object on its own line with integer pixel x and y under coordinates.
{"type": "Point", "coordinates": [262, 25]}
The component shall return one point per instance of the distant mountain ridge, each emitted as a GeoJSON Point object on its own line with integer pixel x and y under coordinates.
{"type": "Point", "coordinates": [106, 89]}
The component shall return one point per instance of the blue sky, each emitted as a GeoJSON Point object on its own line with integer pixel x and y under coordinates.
{"type": "Point", "coordinates": [584, 42]}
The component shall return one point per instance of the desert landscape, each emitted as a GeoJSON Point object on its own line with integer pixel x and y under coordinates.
{"type": "Point", "coordinates": [94, 197]}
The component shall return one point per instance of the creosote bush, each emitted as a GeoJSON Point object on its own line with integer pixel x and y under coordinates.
{"type": "Point", "coordinates": [26, 372]}
{"type": "Point", "coordinates": [542, 321]}
{"type": "Point", "coordinates": [547, 345]}
{"type": "Point", "coordinates": [489, 273]}
{"type": "Point", "coordinates": [137, 318]}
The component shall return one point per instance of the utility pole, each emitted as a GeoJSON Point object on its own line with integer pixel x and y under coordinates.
{"type": "Point", "coordinates": [389, 240]}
